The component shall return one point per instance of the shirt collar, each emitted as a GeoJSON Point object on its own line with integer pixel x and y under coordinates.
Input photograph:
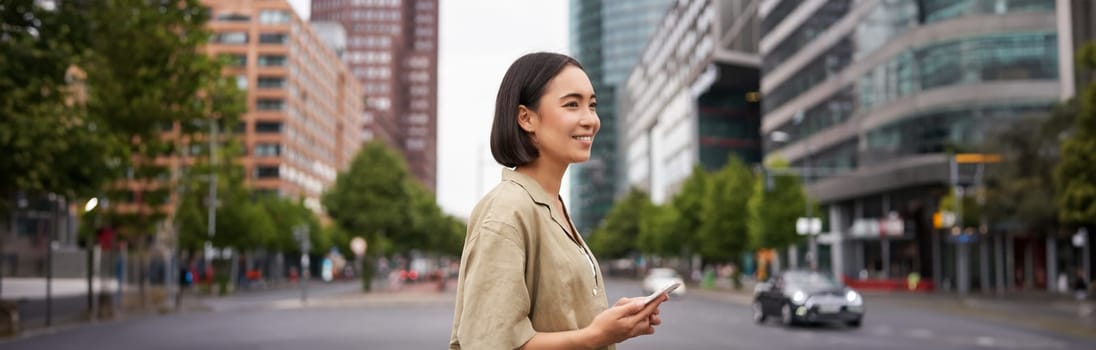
{"type": "Point", "coordinates": [530, 185]}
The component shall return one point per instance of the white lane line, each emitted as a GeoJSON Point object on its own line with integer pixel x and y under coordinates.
{"type": "Point", "coordinates": [919, 333]}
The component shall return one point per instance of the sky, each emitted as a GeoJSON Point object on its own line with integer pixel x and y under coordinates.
{"type": "Point", "coordinates": [479, 40]}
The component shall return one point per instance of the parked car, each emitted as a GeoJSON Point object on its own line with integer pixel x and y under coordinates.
{"type": "Point", "coordinates": [660, 277]}
{"type": "Point", "coordinates": [804, 297]}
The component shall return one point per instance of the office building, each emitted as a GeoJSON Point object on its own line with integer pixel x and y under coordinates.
{"type": "Point", "coordinates": [392, 49]}
{"type": "Point", "coordinates": [302, 124]}
{"type": "Point", "coordinates": [607, 38]}
{"type": "Point", "coordinates": [692, 97]}
{"type": "Point", "coordinates": [872, 97]}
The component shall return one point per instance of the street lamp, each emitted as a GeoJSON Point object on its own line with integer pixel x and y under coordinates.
{"type": "Point", "coordinates": [783, 137]}
{"type": "Point", "coordinates": [91, 204]}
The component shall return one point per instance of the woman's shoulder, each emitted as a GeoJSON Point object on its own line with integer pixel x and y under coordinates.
{"type": "Point", "coordinates": [508, 202]}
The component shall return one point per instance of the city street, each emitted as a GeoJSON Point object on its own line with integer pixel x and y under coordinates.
{"type": "Point", "coordinates": [338, 318]}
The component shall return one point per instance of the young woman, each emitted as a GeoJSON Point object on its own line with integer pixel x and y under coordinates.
{"type": "Point", "coordinates": [527, 279]}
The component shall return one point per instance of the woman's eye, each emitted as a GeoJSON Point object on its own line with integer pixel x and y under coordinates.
{"type": "Point", "coordinates": [571, 104]}
{"type": "Point", "coordinates": [593, 104]}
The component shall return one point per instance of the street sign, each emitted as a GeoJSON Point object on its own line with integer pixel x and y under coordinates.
{"type": "Point", "coordinates": [964, 158]}
{"type": "Point", "coordinates": [812, 226]}
{"type": "Point", "coordinates": [943, 219]}
{"type": "Point", "coordinates": [358, 246]}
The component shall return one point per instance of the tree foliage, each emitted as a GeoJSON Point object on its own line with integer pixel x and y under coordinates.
{"type": "Point", "coordinates": [688, 205]}
{"type": "Point", "coordinates": [49, 141]}
{"type": "Point", "coordinates": [1075, 175]}
{"type": "Point", "coordinates": [774, 206]}
{"type": "Point", "coordinates": [656, 231]}
{"type": "Point", "coordinates": [377, 199]}
{"type": "Point", "coordinates": [1020, 191]}
{"type": "Point", "coordinates": [618, 233]}
{"type": "Point", "coordinates": [723, 232]}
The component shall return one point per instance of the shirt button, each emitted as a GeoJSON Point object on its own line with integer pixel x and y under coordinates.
{"type": "Point", "coordinates": [595, 291]}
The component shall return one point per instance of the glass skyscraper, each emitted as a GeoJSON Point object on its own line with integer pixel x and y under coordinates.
{"type": "Point", "coordinates": [873, 95]}
{"type": "Point", "coordinates": [607, 37]}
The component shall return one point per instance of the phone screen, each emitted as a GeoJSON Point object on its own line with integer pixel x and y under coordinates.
{"type": "Point", "coordinates": [669, 288]}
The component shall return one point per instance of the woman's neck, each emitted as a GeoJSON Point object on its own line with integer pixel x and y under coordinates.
{"type": "Point", "coordinates": [548, 174]}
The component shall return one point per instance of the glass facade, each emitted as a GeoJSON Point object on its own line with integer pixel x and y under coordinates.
{"type": "Point", "coordinates": [909, 82]}
{"type": "Point", "coordinates": [940, 10]}
{"type": "Point", "coordinates": [607, 37]}
{"type": "Point", "coordinates": [728, 125]}
{"type": "Point", "coordinates": [997, 57]}
{"type": "Point", "coordinates": [941, 130]}
{"type": "Point", "coordinates": [883, 24]}
{"type": "Point", "coordinates": [777, 14]}
{"type": "Point", "coordinates": [822, 19]}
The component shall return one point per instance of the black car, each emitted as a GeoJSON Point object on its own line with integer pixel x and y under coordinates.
{"type": "Point", "coordinates": [805, 296]}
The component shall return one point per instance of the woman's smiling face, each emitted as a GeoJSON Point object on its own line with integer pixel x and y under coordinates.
{"type": "Point", "coordinates": [565, 121]}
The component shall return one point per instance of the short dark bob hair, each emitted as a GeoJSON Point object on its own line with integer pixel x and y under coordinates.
{"type": "Point", "coordinates": [523, 84]}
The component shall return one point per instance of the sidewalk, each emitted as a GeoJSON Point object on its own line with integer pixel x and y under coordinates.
{"type": "Point", "coordinates": [414, 293]}
{"type": "Point", "coordinates": [1053, 313]}
{"type": "Point", "coordinates": [1034, 310]}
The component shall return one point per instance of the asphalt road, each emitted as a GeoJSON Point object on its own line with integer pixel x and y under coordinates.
{"type": "Point", "coordinates": [336, 320]}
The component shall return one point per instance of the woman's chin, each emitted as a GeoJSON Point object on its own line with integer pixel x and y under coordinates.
{"type": "Point", "coordinates": [580, 159]}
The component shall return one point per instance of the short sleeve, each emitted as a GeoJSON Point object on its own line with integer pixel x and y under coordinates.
{"type": "Point", "coordinates": [495, 299]}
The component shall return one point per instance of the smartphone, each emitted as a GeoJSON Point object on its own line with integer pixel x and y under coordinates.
{"type": "Point", "coordinates": [669, 288]}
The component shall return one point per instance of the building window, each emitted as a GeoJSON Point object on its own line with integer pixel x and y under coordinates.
{"type": "Point", "coordinates": [241, 82]}
{"type": "Point", "coordinates": [268, 127]}
{"type": "Point", "coordinates": [234, 60]}
{"type": "Point", "coordinates": [268, 150]}
{"type": "Point", "coordinates": [271, 82]}
{"type": "Point", "coordinates": [416, 144]}
{"type": "Point", "coordinates": [265, 172]}
{"type": "Point", "coordinates": [273, 17]}
{"type": "Point", "coordinates": [273, 38]}
{"type": "Point", "coordinates": [381, 103]}
{"type": "Point", "coordinates": [418, 118]}
{"type": "Point", "coordinates": [233, 17]}
{"type": "Point", "coordinates": [231, 38]}
{"type": "Point", "coordinates": [270, 104]}
{"type": "Point", "coordinates": [272, 60]}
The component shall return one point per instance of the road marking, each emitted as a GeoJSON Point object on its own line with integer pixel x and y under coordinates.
{"type": "Point", "coordinates": [883, 330]}
{"type": "Point", "coordinates": [985, 341]}
{"type": "Point", "coordinates": [919, 333]}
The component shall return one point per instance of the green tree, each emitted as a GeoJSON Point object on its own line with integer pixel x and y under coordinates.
{"type": "Point", "coordinates": [49, 141]}
{"type": "Point", "coordinates": [1020, 191]}
{"type": "Point", "coordinates": [775, 205]}
{"type": "Point", "coordinates": [656, 231]}
{"type": "Point", "coordinates": [619, 232]}
{"type": "Point", "coordinates": [289, 213]}
{"type": "Point", "coordinates": [429, 225]}
{"type": "Point", "coordinates": [688, 205]}
{"type": "Point", "coordinates": [453, 242]}
{"type": "Point", "coordinates": [723, 232]}
{"type": "Point", "coordinates": [371, 199]}
{"type": "Point", "coordinates": [1075, 176]}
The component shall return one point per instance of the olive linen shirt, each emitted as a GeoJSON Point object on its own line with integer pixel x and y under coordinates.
{"type": "Point", "coordinates": [520, 272]}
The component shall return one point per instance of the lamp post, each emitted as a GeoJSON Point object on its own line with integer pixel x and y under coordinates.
{"type": "Point", "coordinates": [812, 239]}
{"type": "Point", "coordinates": [92, 261]}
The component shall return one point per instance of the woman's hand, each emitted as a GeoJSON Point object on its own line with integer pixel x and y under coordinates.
{"type": "Point", "coordinates": [628, 318]}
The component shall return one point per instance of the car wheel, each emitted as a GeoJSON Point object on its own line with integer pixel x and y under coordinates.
{"type": "Point", "coordinates": [854, 323]}
{"type": "Point", "coordinates": [758, 312]}
{"type": "Point", "coordinates": [786, 316]}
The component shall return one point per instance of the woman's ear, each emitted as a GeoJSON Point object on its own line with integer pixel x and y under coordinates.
{"type": "Point", "coordinates": [525, 119]}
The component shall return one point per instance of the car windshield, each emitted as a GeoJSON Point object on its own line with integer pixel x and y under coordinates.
{"type": "Point", "coordinates": [810, 280]}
